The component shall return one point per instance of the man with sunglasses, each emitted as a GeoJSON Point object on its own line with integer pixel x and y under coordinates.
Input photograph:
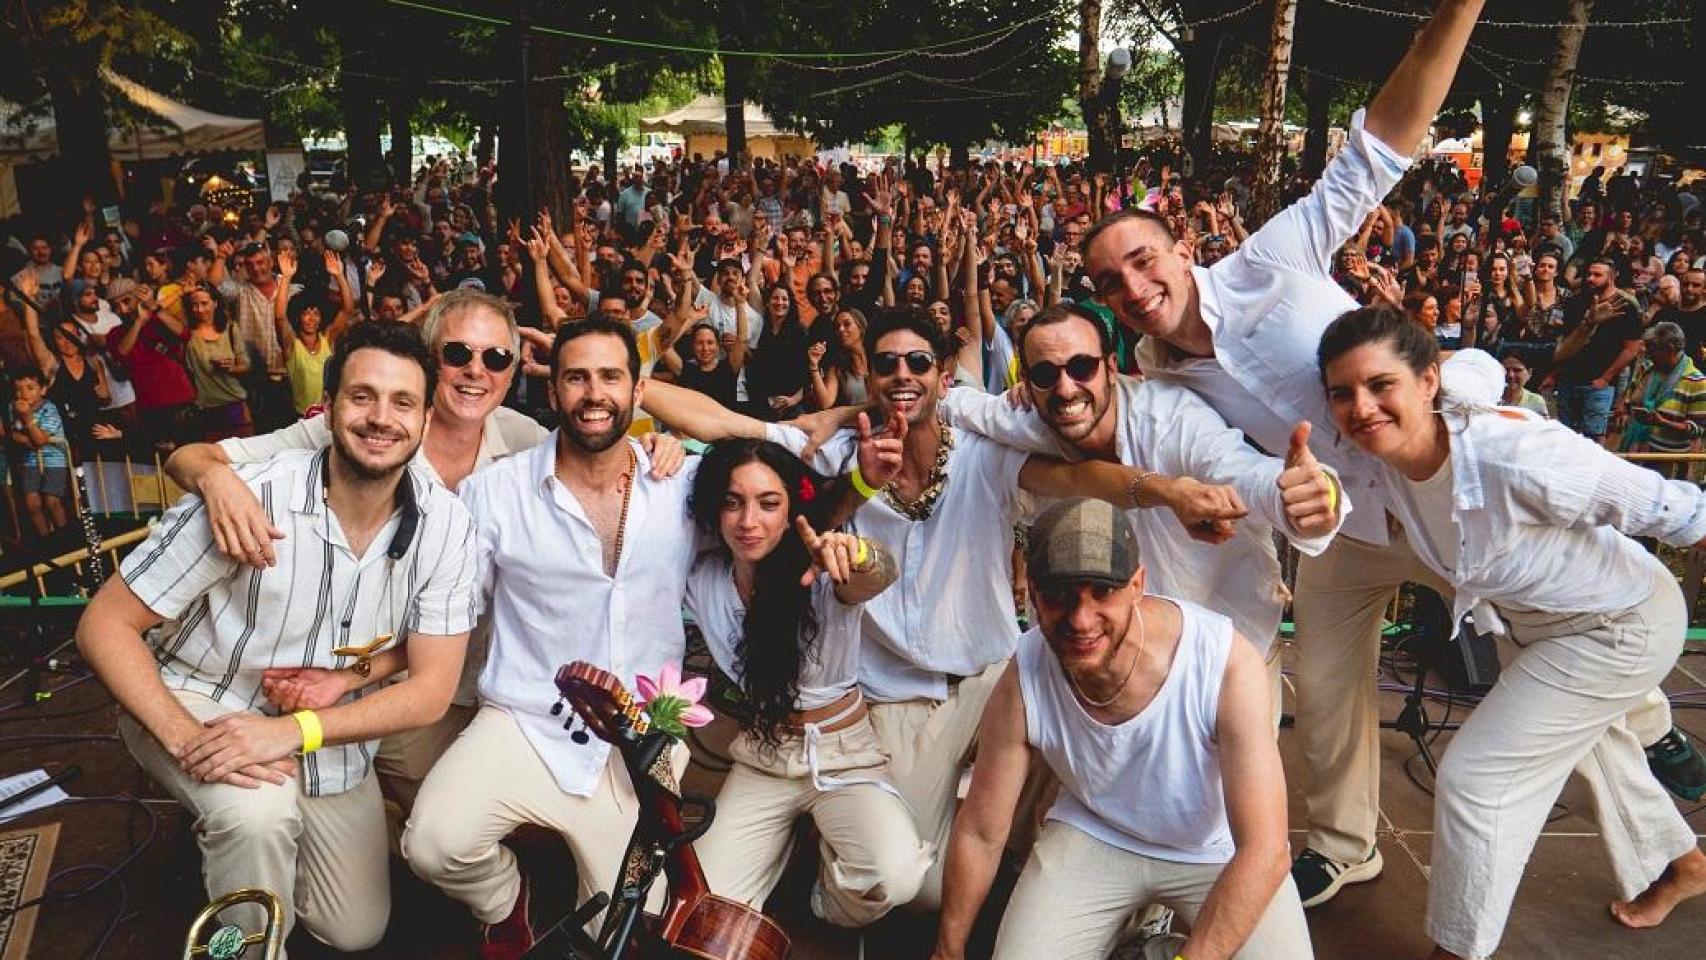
{"type": "Point", "coordinates": [1162, 432]}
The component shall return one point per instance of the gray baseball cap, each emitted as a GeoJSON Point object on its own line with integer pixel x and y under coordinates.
{"type": "Point", "coordinates": [1082, 540]}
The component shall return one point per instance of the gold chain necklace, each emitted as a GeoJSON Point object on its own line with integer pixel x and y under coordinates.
{"type": "Point", "coordinates": [919, 510]}
{"type": "Point", "coordinates": [1142, 638]}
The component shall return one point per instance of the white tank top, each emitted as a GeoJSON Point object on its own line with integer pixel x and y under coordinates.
{"type": "Point", "coordinates": [1150, 785]}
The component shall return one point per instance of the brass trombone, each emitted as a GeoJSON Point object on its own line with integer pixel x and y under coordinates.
{"type": "Point", "coordinates": [229, 941]}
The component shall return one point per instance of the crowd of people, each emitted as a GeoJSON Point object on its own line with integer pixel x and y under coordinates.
{"type": "Point", "coordinates": [495, 429]}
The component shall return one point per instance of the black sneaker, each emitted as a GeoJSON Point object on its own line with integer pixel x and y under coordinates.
{"type": "Point", "coordinates": [1318, 879]}
{"type": "Point", "coordinates": [1678, 765]}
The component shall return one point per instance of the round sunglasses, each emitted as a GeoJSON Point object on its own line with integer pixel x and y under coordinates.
{"type": "Point", "coordinates": [455, 353]}
{"type": "Point", "coordinates": [1044, 375]}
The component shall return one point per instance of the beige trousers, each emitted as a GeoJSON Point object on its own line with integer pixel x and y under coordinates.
{"type": "Point", "coordinates": [1562, 703]}
{"type": "Point", "coordinates": [488, 783]}
{"type": "Point", "coordinates": [1076, 894]}
{"type": "Point", "coordinates": [405, 758]}
{"type": "Point", "coordinates": [1340, 606]}
{"type": "Point", "coordinates": [928, 744]}
{"type": "Point", "coordinates": [871, 858]}
{"type": "Point", "coordinates": [323, 856]}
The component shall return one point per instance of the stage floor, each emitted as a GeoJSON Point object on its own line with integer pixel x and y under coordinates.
{"type": "Point", "coordinates": [1560, 911]}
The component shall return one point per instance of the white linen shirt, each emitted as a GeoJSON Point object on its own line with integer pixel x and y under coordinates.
{"type": "Point", "coordinates": [1267, 305]}
{"type": "Point", "coordinates": [1545, 517]}
{"type": "Point", "coordinates": [1169, 429]}
{"type": "Point", "coordinates": [541, 568]}
{"type": "Point", "coordinates": [233, 620]}
{"type": "Point", "coordinates": [951, 611]}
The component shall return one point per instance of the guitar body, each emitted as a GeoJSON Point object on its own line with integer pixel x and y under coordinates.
{"type": "Point", "coordinates": [695, 923]}
{"type": "Point", "coordinates": [716, 928]}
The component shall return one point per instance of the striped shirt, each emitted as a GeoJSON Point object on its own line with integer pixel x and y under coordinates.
{"type": "Point", "coordinates": [48, 421]}
{"type": "Point", "coordinates": [234, 621]}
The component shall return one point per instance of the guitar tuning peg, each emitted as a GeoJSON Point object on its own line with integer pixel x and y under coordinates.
{"type": "Point", "coordinates": [557, 708]}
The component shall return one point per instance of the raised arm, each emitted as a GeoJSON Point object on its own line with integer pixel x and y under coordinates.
{"type": "Point", "coordinates": [281, 299]}
{"type": "Point", "coordinates": [80, 239]}
{"type": "Point", "coordinates": [697, 415]}
{"type": "Point", "coordinates": [538, 249]}
{"type": "Point", "coordinates": [1405, 106]}
{"type": "Point", "coordinates": [1253, 786]}
{"type": "Point", "coordinates": [30, 286]}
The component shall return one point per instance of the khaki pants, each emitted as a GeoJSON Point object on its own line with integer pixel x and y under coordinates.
{"type": "Point", "coordinates": [488, 783]}
{"type": "Point", "coordinates": [872, 859]}
{"type": "Point", "coordinates": [1340, 606]}
{"type": "Point", "coordinates": [1076, 894]}
{"type": "Point", "coordinates": [405, 758]}
{"type": "Point", "coordinates": [928, 744]}
{"type": "Point", "coordinates": [323, 856]}
{"type": "Point", "coordinates": [1562, 703]}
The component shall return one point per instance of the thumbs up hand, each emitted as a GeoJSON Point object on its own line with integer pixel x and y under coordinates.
{"type": "Point", "coordinates": [1311, 497]}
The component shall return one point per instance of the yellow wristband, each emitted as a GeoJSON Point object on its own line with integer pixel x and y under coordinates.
{"type": "Point", "coordinates": [1332, 494]}
{"type": "Point", "coordinates": [863, 557]}
{"type": "Point", "coordinates": [313, 735]}
{"type": "Point", "coordinates": [865, 490]}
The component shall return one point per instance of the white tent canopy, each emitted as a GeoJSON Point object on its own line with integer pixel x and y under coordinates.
{"type": "Point", "coordinates": [181, 129]}
{"type": "Point", "coordinates": [707, 115]}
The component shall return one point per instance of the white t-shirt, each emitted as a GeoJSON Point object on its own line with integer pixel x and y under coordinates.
{"type": "Point", "coordinates": [828, 670]}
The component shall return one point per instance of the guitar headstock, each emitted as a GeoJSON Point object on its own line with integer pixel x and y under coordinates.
{"type": "Point", "coordinates": [607, 708]}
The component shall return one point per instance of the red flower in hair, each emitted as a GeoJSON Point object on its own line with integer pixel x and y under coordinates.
{"type": "Point", "coordinates": [808, 493]}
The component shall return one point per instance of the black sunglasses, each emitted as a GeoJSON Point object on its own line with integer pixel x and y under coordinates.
{"type": "Point", "coordinates": [1044, 375]}
{"type": "Point", "coordinates": [887, 362]}
{"type": "Point", "coordinates": [455, 353]}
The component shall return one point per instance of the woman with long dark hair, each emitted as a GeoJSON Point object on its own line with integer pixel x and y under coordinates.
{"type": "Point", "coordinates": [780, 607]}
{"type": "Point", "coordinates": [1530, 525]}
{"type": "Point", "coordinates": [776, 369]}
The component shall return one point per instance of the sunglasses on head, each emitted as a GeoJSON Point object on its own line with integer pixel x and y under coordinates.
{"type": "Point", "coordinates": [455, 353]}
{"type": "Point", "coordinates": [1044, 375]}
{"type": "Point", "coordinates": [887, 362]}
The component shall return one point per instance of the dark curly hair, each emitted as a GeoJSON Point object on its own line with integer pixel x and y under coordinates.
{"type": "Point", "coordinates": [774, 642]}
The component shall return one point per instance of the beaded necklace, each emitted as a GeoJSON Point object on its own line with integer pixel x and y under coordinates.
{"type": "Point", "coordinates": [919, 510]}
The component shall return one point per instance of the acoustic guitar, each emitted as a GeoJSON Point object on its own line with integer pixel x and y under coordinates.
{"type": "Point", "coordinates": [695, 922]}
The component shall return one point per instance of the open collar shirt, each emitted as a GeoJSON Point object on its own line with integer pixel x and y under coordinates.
{"type": "Point", "coordinates": [541, 568]}
{"type": "Point", "coordinates": [234, 621]}
{"type": "Point", "coordinates": [950, 614]}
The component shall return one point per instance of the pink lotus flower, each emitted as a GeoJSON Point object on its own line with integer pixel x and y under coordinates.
{"type": "Point", "coordinates": [672, 703]}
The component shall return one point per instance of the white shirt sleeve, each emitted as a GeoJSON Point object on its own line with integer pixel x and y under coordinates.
{"type": "Point", "coordinates": [1306, 235]}
{"type": "Point", "coordinates": [990, 415]}
{"type": "Point", "coordinates": [1557, 476]}
{"type": "Point", "coordinates": [1197, 443]}
{"type": "Point", "coordinates": [310, 434]}
{"type": "Point", "coordinates": [834, 458]}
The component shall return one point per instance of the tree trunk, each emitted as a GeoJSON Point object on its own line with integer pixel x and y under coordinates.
{"type": "Point", "coordinates": [1498, 124]}
{"type": "Point", "coordinates": [80, 123]}
{"type": "Point", "coordinates": [959, 156]}
{"type": "Point", "coordinates": [359, 105]}
{"type": "Point", "coordinates": [1090, 102]}
{"type": "Point", "coordinates": [734, 34]}
{"type": "Point", "coordinates": [737, 77]}
{"type": "Point", "coordinates": [611, 149]}
{"type": "Point", "coordinates": [1270, 148]}
{"type": "Point", "coordinates": [1551, 139]}
{"type": "Point", "coordinates": [1200, 49]}
{"type": "Point", "coordinates": [533, 162]}
{"type": "Point", "coordinates": [400, 109]}
{"type": "Point", "coordinates": [1318, 91]}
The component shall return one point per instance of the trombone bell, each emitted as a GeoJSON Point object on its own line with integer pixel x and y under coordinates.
{"type": "Point", "coordinates": [229, 942]}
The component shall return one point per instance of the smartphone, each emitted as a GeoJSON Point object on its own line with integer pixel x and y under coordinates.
{"type": "Point", "coordinates": [110, 216]}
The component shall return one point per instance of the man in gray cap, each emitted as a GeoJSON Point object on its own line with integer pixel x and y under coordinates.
{"type": "Point", "coordinates": [1153, 714]}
